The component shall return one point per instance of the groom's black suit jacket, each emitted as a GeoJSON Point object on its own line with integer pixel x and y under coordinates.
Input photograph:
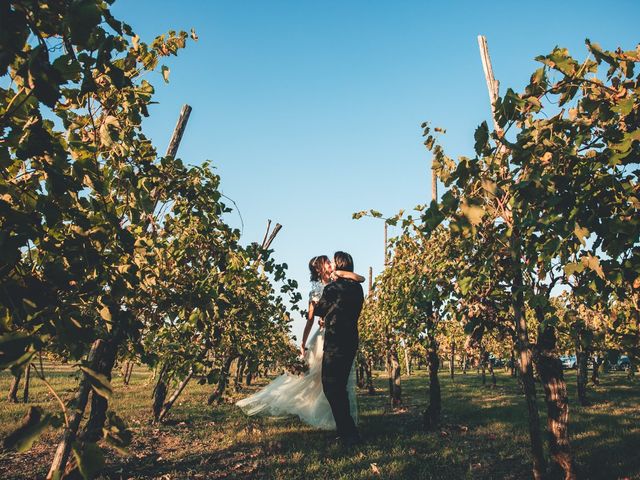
{"type": "Point", "coordinates": [340, 306]}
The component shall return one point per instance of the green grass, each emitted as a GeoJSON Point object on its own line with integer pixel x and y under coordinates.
{"type": "Point", "coordinates": [483, 434]}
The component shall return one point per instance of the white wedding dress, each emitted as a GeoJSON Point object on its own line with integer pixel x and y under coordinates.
{"type": "Point", "coordinates": [302, 395]}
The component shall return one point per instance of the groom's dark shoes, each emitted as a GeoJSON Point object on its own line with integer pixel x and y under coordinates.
{"type": "Point", "coordinates": [347, 441]}
{"type": "Point", "coordinates": [351, 441]}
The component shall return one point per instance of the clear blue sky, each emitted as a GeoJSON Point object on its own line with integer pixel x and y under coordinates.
{"type": "Point", "coordinates": [311, 111]}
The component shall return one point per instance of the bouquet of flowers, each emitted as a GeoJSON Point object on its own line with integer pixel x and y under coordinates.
{"type": "Point", "coordinates": [299, 366]}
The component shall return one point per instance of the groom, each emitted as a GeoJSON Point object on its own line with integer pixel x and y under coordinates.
{"type": "Point", "coordinates": [340, 307]}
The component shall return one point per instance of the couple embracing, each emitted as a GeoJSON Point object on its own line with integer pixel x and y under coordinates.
{"type": "Point", "coordinates": [325, 396]}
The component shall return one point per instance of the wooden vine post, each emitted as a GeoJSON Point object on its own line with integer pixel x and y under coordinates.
{"type": "Point", "coordinates": [392, 358]}
{"type": "Point", "coordinates": [434, 185]}
{"type": "Point", "coordinates": [167, 406]}
{"type": "Point", "coordinates": [369, 359]}
{"type": "Point", "coordinates": [27, 379]}
{"type": "Point", "coordinates": [160, 388]}
{"type": "Point", "coordinates": [178, 131]}
{"type": "Point", "coordinates": [386, 250]}
{"type": "Point", "coordinates": [431, 416]}
{"type": "Point", "coordinates": [515, 246]}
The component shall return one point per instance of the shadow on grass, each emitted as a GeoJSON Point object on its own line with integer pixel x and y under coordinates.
{"type": "Point", "coordinates": [606, 445]}
{"type": "Point", "coordinates": [483, 435]}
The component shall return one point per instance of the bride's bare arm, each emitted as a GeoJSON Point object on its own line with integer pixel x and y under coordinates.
{"type": "Point", "coordinates": [349, 275]}
{"type": "Point", "coordinates": [307, 327]}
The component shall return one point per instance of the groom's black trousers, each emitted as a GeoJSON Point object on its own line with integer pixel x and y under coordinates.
{"type": "Point", "coordinates": [336, 367]}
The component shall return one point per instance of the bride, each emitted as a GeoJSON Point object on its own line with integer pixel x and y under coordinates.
{"type": "Point", "coordinates": [302, 395]}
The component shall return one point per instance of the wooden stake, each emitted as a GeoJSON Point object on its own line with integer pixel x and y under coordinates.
{"type": "Point", "coordinates": [266, 233]}
{"type": "Point", "coordinates": [128, 372]}
{"type": "Point", "coordinates": [268, 239]}
{"type": "Point", "coordinates": [434, 186]}
{"type": "Point", "coordinates": [526, 365]}
{"type": "Point", "coordinates": [272, 237]}
{"type": "Point", "coordinates": [167, 406]}
{"type": "Point", "coordinates": [407, 356]}
{"type": "Point", "coordinates": [27, 379]}
{"type": "Point", "coordinates": [493, 86]}
{"type": "Point", "coordinates": [386, 255]}
{"type": "Point", "coordinates": [172, 149]}
{"type": "Point", "coordinates": [13, 389]}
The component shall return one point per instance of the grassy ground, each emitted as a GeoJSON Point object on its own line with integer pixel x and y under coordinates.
{"type": "Point", "coordinates": [483, 435]}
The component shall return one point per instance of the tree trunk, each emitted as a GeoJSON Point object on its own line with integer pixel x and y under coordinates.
{"type": "Point", "coordinates": [407, 360]}
{"type": "Point", "coordinates": [389, 374]}
{"type": "Point", "coordinates": [362, 376]}
{"type": "Point", "coordinates": [251, 371]}
{"type": "Point", "coordinates": [432, 413]}
{"type": "Point", "coordinates": [465, 363]}
{"type": "Point", "coordinates": [27, 379]}
{"type": "Point", "coordinates": [127, 372]}
{"type": "Point", "coordinates": [124, 370]}
{"type": "Point", "coordinates": [517, 295]}
{"type": "Point", "coordinates": [555, 390]}
{"type": "Point", "coordinates": [514, 371]}
{"type": "Point", "coordinates": [595, 377]}
{"type": "Point", "coordinates": [581, 362]}
{"type": "Point", "coordinates": [75, 413]}
{"type": "Point", "coordinates": [222, 381]}
{"type": "Point", "coordinates": [492, 373]}
{"type": "Point", "coordinates": [13, 389]}
{"type": "Point", "coordinates": [242, 362]}
{"type": "Point", "coordinates": [452, 360]}
{"type": "Point", "coordinates": [483, 365]}
{"type": "Point", "coordinates": [524, 350]}
{"type": "Point", "coordinates": [632, 367]}
{"type": "Point", "coordinates": [167, 406]}
{"type": "Point", "coordinates": [369, 372]}
{"type": "Point", "coordinates": [104, 364]}
{"type": "Point", "coordinates": [160, 392]}
{"type": "Point", "coordinates": [396, 394]}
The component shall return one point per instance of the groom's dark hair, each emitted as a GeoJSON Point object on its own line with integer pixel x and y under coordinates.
{"type": "Point", "coordinates": [343, 261]}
